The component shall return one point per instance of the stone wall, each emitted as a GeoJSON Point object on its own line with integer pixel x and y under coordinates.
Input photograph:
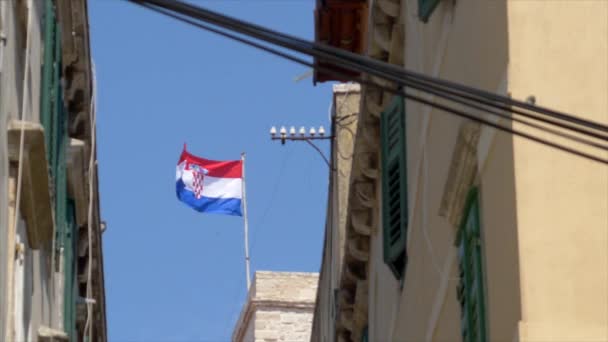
{"type": "Point", "coordinates": [346, 106]}
{"type": "Point", "coordinates": [279, 308]}
{"type": "Point", "coordinates": [283, 325]}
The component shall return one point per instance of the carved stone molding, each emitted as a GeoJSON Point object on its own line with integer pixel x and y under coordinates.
{"type": "Point", "coordinates": [365, 194]}
{"type": "Point", "coordinates": [382, 37]}
{"type": "Point", "coordinates": [360, 310]}
{"type": "Point", "coordinates": [359, 221]}
{"type": "Point", "coordinates": [35, 202]}
{"type": "Point", "coordinates": [389, 7]}
{"type": "Point", "coordinates": [346, 319]}
{"type": "Point", "coordinates": [368, 164]}
{"type": "Point", "coordinates": [353, 272]}
{"type": "Point", "coordinates": [462, 172]}
{"type": "Point", "coordinates": [49, 334]}
{"type": "Point", "coordinates": [358, 248]}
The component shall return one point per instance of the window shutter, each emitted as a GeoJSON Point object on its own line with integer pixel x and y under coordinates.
{"type": "Point", "coordinates": [46, 101]}
{"type": "Point", "coordinates": [394, 187]}
{"type": "Point", "coordinates": [56, 108]}
{"type": "Point", "coordinates": [70, 288]}
{"type": "Point", "coordinates": [59, 140]}
{"type": "Point", "coordinates": [426, 8]}
{"type": "Point", "coordinates": [470, 291]}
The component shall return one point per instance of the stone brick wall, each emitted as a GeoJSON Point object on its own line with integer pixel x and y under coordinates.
{"type": "Point", "coordinates": [285, 286]}
{"type": "Point", "coordinates": [279, 308]}
{"type": "Point", "coordinates": [283, 325]}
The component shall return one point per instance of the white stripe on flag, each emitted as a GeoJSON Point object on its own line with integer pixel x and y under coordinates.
{"type": "Point", "coordinates": [222, 187]}
{"type": "Point", "coordinates": [213, 187]}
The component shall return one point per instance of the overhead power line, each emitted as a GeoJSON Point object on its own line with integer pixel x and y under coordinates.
{"type": "Point", "coordinates": [339, 55]}
{"type": "Point", "coordinates": [586, 132]}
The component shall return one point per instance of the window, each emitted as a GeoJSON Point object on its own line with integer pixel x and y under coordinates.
{"type": "Point", "coordinates": [394, 187]}
{"type": "Point", "coordinates": [470, 290]}
{"type": "Point", "coordinates": [426, 8]}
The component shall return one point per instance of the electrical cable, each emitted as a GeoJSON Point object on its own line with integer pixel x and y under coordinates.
{"type": "Point", "coordinates": [342, 56]}
{"type": "Point", "coordinates": [400, 92]}
{"type": "Point", "coordinates": [273, 194]}
{"type": "Point", "coordinates": [320, 152]}
{"type": "Point", "coordinates": [344, 126]}
{"type": "Point", "coordinates": [273, 31]}
{"type": "Point", "coordinates": [22, 138]}
{"type": "Point", "coordinates": [91, 173]}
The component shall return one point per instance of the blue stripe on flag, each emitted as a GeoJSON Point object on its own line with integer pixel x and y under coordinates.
{"type": "Point", "coordinates": [226, 206]}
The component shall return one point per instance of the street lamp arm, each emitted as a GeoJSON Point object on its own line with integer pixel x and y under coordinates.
{"type": "Point", "coordinates": [318, 150]}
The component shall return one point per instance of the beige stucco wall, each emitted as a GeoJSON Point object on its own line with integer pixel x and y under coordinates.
{"type": "Point", "coordinates": [562, 201]}
{"type": "Point", "coordinates": [279, 308]}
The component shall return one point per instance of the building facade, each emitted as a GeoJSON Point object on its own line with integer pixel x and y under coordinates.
{"type": "Point", "coordinates": [51, 261]}
{"type": "Point", "coordinates": [278, 308]}
{"type": "Point", "coordinates": [345, 113]}
{"type": "Point", "coordinates": [455, 231]}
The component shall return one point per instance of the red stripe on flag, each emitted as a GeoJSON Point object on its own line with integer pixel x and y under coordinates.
{"type": "Point", "coordinates": [219, 169]}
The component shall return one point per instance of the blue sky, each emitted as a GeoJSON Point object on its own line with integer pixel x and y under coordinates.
{"type": "Point", "coordinates": [173, 274]}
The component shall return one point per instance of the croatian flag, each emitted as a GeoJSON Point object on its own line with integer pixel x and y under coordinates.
{"type": "Point", "coordinates": [210, 186]}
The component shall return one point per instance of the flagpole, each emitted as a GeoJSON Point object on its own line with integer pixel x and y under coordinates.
{"type": "Point", "coordinates": [246, 224]}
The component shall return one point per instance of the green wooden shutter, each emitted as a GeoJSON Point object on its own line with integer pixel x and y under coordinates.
{"type": "Point", "coordinates": [365, 335]}
{"type": "Point", "coordinates": [54, 119]}
{"type": "Point", "coordinates": [426, 8]}
{"type": "Point", "coordinates": [471, 286]}
{"type": "Point", "coordinates": [50, 35]}
{"type": "Point", "coordinates": [70, 288]}
{"type": "Point", "coordinates": [53, 114]}
{"type": "Point", "coordinates": [394, 186]}
{"type": "Point", "coordinates": [59, 141]}
{"type": "Point", "coordinates": [57, 125]}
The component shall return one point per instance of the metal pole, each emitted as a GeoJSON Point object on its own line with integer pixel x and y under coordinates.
{"type": "Point", "coordinates": [246, 224]}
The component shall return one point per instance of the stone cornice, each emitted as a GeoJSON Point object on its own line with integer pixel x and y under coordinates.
{"type": "Point", "coordinates": [386, 43]}
{"type": "Point", "coordinates": [282, 304]}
